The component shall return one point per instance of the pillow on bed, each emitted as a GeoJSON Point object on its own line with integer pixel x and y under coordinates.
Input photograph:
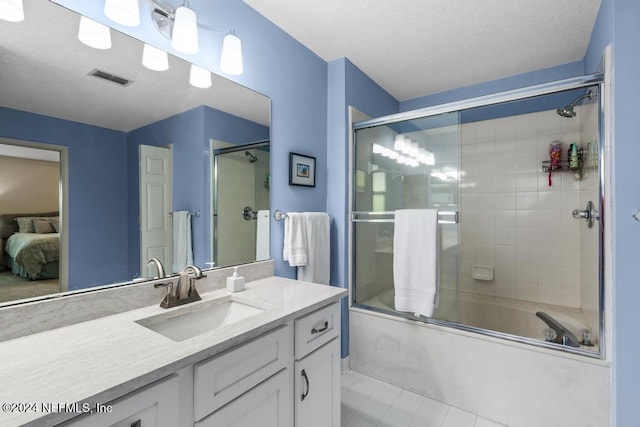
{"type": "Point", "coordinates": [25, 224]}
{"type": "Point", "coordinates": [55, 223]}
{"type": "Point", "coordinates": [42, 226]}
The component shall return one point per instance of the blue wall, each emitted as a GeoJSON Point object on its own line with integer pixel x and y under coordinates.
{"type": "Point", "coordinates": [348, 86]}
{"type": "Point", "coordinates": [617, 25]}
{"type": "Point", "coordinates": [97, 202]}
{"type": "Point", "coordinates": [190, 134]}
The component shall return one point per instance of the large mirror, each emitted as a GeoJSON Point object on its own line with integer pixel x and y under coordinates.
{"type": "Point", "coordinates": [129, 160]}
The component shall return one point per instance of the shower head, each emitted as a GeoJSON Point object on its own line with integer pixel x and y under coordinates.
{"type": "Point", "coordinates": [567, 110]}
{"type": "Point", "coordinates": [252, 158]}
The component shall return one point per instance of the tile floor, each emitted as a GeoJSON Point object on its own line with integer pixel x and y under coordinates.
{"type": "Point", "coordinates": [369, 402]}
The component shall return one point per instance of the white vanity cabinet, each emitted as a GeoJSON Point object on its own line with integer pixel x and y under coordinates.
{"type": "Point", "coordinates": [155, 405]}
{"type": "Point", "coordinates": [317, 369]}
{"type": "Point", "coordinates": [249, 385]}
{"type": "Point", "coordinates": [286, 377]}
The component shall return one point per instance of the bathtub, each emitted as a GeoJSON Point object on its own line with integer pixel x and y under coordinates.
{"type": "Point", "coordinates": [505, 315]}
{"type": "Point", "coordinates": [511, 382]}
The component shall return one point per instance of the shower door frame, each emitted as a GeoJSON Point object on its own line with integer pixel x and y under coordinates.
{"type": "Point", "coordinates": [595, 79]}
{"type": "Point", "coordinates": [214, 199]}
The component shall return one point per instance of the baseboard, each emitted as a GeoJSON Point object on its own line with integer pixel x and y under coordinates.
{"type": "Point", "coordinates": [345, 365]}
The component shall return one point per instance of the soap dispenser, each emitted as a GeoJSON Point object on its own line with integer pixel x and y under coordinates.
{"type": "Point", "coordinates": [235, 283]}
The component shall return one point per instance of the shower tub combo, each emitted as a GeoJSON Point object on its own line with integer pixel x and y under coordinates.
{"type": "Point", "coordinates": [519, 248]}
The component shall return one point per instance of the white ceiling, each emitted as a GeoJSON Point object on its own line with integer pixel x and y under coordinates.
{"type": "Point", "coordinates": [44, 70]}
{"type": "Point", "coordinates": [418, 47]}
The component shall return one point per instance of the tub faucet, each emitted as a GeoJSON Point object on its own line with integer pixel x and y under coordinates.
{"type": "Point", "coordinates": [563, 335]}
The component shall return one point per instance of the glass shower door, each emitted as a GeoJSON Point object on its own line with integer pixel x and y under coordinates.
{"type": "Point", "coordinates": [413, 164]}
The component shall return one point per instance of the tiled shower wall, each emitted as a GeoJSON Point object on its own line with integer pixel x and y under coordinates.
{"type": "Point", "coordinates": [511, 218]}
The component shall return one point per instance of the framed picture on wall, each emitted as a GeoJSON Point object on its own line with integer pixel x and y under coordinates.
{"type": "Point", "coordinates": [302, 170]}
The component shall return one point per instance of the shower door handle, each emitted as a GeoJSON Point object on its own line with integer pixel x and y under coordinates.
{"type": "Point", "coordinates": [590, 214]}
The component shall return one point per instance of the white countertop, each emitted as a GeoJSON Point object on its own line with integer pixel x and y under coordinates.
{"type": "Point", "coordinates": [102, 359]}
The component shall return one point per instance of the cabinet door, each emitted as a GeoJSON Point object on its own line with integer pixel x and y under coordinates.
{"type": "Point", "coordinates": [266, 405]}
{"type": "Point", "coordinates": [153, 406]}
{"type": "Point", "coordinates": [317, 387]}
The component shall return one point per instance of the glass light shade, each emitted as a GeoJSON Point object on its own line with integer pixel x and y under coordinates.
{"type": "Point", "coordinates": [11, 10]}
{"type": "Point", "coordinates": [199, 77]}
{"type": "Point", "coordinates": [94, 34]}
{"type": "Point", "coordinates": [154, 58]}
{"type": "Point", "coordinates": [231, 58]}
{"type": "Point", "coordinates": [123, 12]}
{"type": "Point", "coordinates": [398, 142]}
{"type": "Point", "coordinates": [185, 31]}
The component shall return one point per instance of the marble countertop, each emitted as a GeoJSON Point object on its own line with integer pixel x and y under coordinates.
{"type": "Point", "coordinates": [100, 360]}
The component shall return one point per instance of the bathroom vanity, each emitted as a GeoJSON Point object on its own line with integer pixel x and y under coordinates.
{"type": "Point", "coordinates": [271, 358]}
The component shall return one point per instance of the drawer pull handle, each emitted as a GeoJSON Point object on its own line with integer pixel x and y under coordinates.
{"type": "Point", "coordinates": [322, 329]}
{"type": "Point", "coordinates": [136, 423]}
{"type": "Point", "coordinates": [306, 381]}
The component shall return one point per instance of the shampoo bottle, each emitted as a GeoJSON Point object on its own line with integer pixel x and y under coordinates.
{"type": "Point", "coordinates": [573, 156]}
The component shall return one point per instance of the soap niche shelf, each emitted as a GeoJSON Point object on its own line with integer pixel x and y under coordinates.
{"type": "Point", "coordinates": [564, 165]}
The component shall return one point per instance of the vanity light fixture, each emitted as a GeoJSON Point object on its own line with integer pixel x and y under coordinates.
{"type": "Point", "coordinates": [11, 10]}
{"type": "Point", "coordinates": [123, 12]}
{"type": "Point", "coordinates": [181, 27]}
{"type": "Point", "coordinates": [154, 58]}
{"type": "Point", "coordinates": [94, 34]}
{"type": "Point", "coordinates": [231, 58]}
{"type": "Point", "coordinates": [199, 77]}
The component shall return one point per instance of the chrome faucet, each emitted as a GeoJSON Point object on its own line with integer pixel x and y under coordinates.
{"type": "Point", "coordinates": [184, 291]}
{"type": "Point", "coordinates": [159, 267]}
{"type": "Point", "coordinates": [563, 335]}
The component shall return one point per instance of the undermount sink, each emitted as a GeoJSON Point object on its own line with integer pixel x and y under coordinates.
{"type": "Point", "coordinates": [196, 319]}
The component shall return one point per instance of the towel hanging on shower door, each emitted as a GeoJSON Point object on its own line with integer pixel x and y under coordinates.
{"type": "Point", "coordinates": [415, 260]}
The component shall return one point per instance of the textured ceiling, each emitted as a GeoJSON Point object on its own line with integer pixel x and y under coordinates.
{"type": "Point", "coordinates": [418, 47]}
{"type": "Point", "coordinates": [44, 70]}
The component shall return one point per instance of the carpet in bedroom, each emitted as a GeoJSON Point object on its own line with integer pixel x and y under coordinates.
{"type": "Point", "coordinates": [14, 288]}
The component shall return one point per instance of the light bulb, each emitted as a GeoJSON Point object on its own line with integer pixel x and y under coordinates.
{"type": "Point", "coordinates": [185, 31]}
{"type": "Point", "coordinates": [231, 58]}
{"type": "Point", "coordinates": [123, 12]}
{"type": "Point", "coordinates": [11, 10]}
{"type": "Point", "coordinates": [199, 77]}
{"type": "Point", "coordinates": [154, 58]}
{"type": "Point", "coordinates": [94, 34]}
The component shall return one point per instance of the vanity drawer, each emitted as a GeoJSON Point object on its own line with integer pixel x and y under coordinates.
{"type": "Point", "coordinates": [222, 378]}
{"type": "Point", "coordinates": [316, 329]}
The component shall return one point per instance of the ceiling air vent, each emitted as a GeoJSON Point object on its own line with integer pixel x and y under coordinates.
{"type": "Point", "coordinates": [110, 77]}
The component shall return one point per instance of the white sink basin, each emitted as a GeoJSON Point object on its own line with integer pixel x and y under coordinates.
{"type": "Point", "coordinates": [199, 318]}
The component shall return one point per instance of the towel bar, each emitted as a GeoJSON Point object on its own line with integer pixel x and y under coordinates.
{"type": "Point", "coordinates": [444, 217]}
{"type": "Point", "coordinates": [196, 213]}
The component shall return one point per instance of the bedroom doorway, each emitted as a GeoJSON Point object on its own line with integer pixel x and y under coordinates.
{"type": "Point", "coordinates": [33, 248]}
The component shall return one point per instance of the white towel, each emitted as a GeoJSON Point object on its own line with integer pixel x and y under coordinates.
{"type": "Point", "coordinates": [316, 269]}
{"type": "Point", "coordinates": [182, 250]}
{"type": "Point", "coordinates": [262, 235]}
{"type": "Point", "coordinates": [415, 260]}
{"type": "Point", "coordinates": [294, 248]}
